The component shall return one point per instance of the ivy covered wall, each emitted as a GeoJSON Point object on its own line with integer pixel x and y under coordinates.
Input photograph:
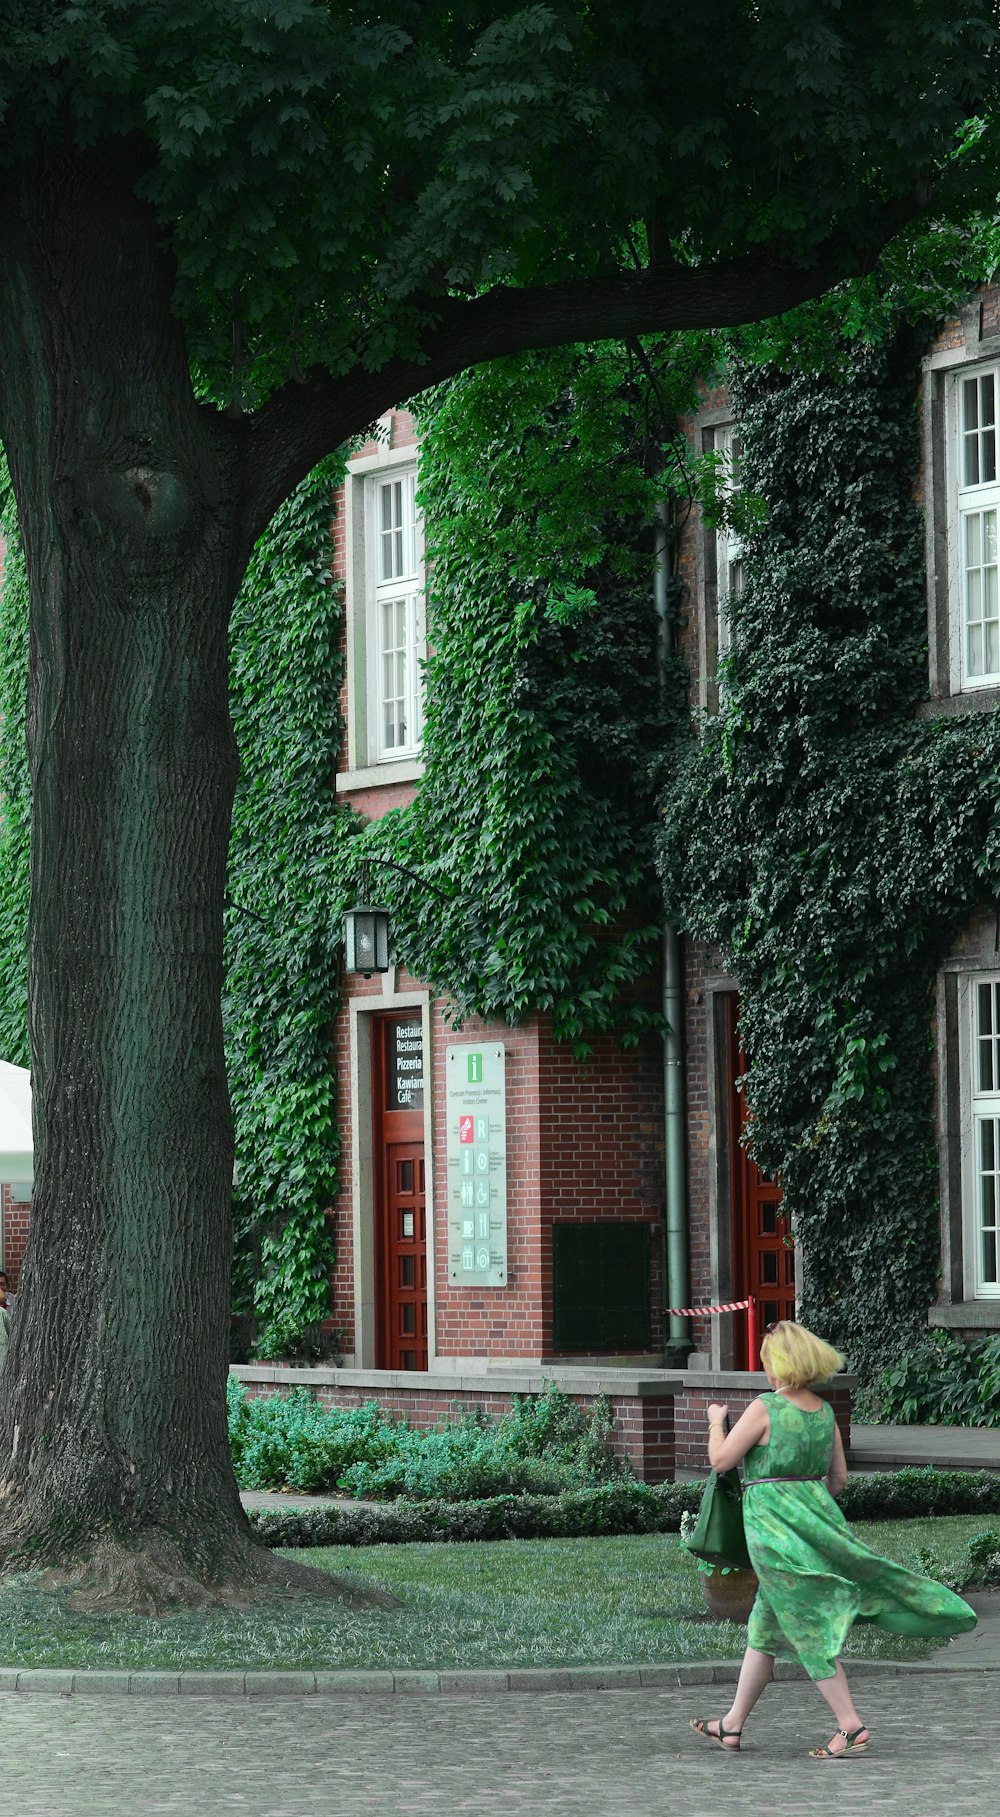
{"type": "Point", "coordinates": [545, 725]}
{"type": "Point", "coordinates": [283, 923]}
{"type": "Point", "coordinates": [830, 841]}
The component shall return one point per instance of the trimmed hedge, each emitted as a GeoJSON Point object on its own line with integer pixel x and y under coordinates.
{"type": "Point", "coordinates": [909, 1494]}
{"type": "Point", "coordinates": [618, 1508]}
{"type": "Point", "coordinates": [579, 1513]}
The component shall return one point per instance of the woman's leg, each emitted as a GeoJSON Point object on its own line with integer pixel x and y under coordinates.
{"type": "Point", "coordinates": [837, 1692]}
{"type": "Point", "coordinates": [756, 1673]}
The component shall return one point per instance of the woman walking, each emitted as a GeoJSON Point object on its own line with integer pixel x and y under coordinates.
{"type": "Point", "coordinates": [816, 1578]}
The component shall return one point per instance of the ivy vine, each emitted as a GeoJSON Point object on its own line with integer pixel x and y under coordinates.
{"type": "Point", "coordinates": [832, 842]}
{"type": "Point", "coordinates": [544, 725]}
{"type": "Point", "coordinates": [283, 925]}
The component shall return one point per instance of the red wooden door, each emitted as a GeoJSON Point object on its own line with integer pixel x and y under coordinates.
{"type": "Point", "coordinates": [400, 1192]}
{"type": "Point", "coordinates": [763, 1254]}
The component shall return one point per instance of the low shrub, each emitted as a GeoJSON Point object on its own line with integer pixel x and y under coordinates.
{"type": "Point", "coordinates": [943, 1381]}
{"type": "Point", "coordinates": [978, 1570]}
{"type": "Point", "coordinates": [984, 1560]}
{"type": "Point", "coordinates": [545, 1445]}
{"type": "Point", "coordinates": [621, 1507]}
{"type": "Point", "coordinates": [291, 1442]}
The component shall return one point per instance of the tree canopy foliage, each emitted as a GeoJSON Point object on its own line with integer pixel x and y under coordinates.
{"type": "Point", "coordinates": [343, 185]}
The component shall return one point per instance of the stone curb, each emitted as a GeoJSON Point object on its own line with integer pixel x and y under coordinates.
{"type": "Point", "coordinates": [388, 1684]}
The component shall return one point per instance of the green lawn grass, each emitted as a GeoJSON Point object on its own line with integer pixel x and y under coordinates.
{"type": "Point", "coordinates": [511, 1603]}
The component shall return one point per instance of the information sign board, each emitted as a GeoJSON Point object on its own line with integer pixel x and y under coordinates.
{"type": "Point", "coordinates": [477, 1166]}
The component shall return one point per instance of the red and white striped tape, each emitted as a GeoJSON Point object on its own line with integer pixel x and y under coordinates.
{"type": "Point", "coordinates": [696, 1312]}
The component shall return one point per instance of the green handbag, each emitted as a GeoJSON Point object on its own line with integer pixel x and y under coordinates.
{"type": "Point", "coordinates": [717, 1535]}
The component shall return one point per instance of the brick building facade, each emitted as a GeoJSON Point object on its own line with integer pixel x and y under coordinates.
{"type": "Point", "coordinates": [584, 1143]}
{"type": "Point", "coordinates": [605, 1123]}
{"type": "Point", "coordinates": [16, 1213]}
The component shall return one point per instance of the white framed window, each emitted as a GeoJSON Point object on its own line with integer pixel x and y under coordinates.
{"type": "Point", "coordinates": [728, 545]}
{"type": "Point", "coordinates": [395, 628]}
{"type": "Point", "coordinates": [981, 1134]}
{"type": "Point", "coordinates": [384, 559]}
{"type": "Point", "coordinates": [976, 558]}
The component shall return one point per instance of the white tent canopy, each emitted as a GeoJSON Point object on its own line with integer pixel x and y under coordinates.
{"type": "Point", "coordinates": [17, 1159]}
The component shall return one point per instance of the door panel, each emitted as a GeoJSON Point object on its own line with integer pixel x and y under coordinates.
{"type": "Point", "coordinates": [406, 1257]}
{"type": "Point", "coordinates": [763, 1253]}
{"type": "Point", "coordinates": [400, 1191]}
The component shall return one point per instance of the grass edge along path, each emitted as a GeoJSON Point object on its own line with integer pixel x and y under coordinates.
{"type": "Point", "coordinates": [511, 1605]}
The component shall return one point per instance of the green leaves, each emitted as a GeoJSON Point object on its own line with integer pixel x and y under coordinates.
{"type": "Point", "coordinates": [283, 925]}
{"type": "Point", "coordinates": [321, 167]}
{"type": "Point", "coordinates": [545, 1444]}
{"type": "Point", "coordinates": [536, 812]}
{"type": "Point", "coordinates": [943, 1381]}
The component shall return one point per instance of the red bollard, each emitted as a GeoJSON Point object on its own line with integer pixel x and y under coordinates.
{"type": "Point", "coordinates": [752, 1352]}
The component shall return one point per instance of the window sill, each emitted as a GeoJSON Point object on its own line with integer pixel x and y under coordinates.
{"type": "Point", "coordinates": [966, 1315]}
{"type": "Point", "coordinates": [975, 700]}
{"type": "Point", "coordinates": [380, 775]}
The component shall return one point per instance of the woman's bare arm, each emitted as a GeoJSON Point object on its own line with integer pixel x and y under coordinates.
{"type": "Point", "coordinates": [750, 1429]}
{"type": "Point", "coordinates": [836, 1476]}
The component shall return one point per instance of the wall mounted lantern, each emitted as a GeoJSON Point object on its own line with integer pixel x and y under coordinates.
{"type": "Point", "coordinates": [366, 928]}
{"type": "Point", "coordinates": [366, 939]}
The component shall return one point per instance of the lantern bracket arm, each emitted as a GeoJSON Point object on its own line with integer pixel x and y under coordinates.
{"type": "Point", "coordinates": [393, 864]}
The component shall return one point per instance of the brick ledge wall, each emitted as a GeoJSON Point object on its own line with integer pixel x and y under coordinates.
{"type": "Point", "coordinates": [659, 1415]}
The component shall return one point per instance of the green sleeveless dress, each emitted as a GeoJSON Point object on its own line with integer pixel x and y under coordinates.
{"type": "Point", "coordinates": [816, 1578]}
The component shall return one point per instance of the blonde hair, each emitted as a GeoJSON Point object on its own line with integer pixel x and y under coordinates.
{"type": "Point", "coordinates": [797, 1358]}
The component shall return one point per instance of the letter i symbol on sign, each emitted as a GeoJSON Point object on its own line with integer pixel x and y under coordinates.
{"type": "Point", "coordinates": [475, 1069]}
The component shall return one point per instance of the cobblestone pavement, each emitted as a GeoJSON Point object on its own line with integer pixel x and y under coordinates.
{"type": "Point", "coordinates": [602, 1754]}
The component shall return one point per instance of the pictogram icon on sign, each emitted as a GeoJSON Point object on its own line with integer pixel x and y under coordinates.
{"type": "Point", "coordinates": [466, 1129]}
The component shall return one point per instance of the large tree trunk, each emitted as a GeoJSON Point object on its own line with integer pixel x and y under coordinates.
{"type": "Point", "coordinates": [113, 1443]}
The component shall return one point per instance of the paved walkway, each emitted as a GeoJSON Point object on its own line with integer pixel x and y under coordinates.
{"type": "Point", "coordinates": [937, 1750]}
{"type": "Point", "coordinates": [285, 1499]}
{"type": "Point", "coordinates": [980, 1648]}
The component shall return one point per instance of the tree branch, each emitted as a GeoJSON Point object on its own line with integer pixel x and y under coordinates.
{"type": "Point", "coordinates": [304, 421]}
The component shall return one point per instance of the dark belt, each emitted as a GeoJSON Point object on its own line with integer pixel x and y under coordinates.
{"type": "Point", "coordinates": [752, 1480]}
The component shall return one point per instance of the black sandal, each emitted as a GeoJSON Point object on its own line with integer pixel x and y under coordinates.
{"type": "Point", "coordinates": [701, 1728]}
{"type": "Point", "coordinates": [851, 1746]}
